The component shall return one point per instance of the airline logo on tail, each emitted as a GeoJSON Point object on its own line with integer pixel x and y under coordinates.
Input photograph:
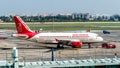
{"type": "Point", "coordinates": [23, 31]}
{"type": "Point", "coordinates": [21, 26]}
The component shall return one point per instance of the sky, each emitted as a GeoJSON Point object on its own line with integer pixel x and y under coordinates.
{"type": "Point", "coordinates": [31, 7]}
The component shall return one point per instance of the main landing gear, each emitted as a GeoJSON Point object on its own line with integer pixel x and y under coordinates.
{"type": "Point", "coordinates": [62, 43]}
{"type": "Point", "coordinates": [89, 45]}
{"type": "Point", "coordinates": [59, 45]}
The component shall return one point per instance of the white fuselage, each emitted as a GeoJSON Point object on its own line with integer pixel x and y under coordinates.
{"type": "Point", "coordinates": [52, 37]}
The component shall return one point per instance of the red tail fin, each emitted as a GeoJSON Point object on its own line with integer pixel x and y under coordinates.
{"type": "Point", "coordinates": [21, 26]}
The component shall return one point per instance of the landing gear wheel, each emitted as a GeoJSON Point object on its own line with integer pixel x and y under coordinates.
{"type": "Point", "coordinates": [60, 45]}
{"type": "Point", "coordinates": [89, 45]}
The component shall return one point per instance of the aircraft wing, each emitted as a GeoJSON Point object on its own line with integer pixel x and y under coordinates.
{"type": "Point", "coordinates": [66, 40]}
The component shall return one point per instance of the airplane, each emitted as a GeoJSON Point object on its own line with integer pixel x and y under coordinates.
{"type": "Point", "coordinates": [75, 40]}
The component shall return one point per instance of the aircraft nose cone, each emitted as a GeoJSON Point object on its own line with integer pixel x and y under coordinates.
{"type": "Point", "coordinates": [100, 38]}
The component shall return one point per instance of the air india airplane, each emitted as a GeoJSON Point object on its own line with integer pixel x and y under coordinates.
{"type": "Point", "coordinates": [75, 40]}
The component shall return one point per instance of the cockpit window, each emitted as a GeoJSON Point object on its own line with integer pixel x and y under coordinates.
{"type": "Point", "coordinates": [95, 35]}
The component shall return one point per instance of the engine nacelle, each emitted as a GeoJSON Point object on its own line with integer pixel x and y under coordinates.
{"type": "Point", "coordinates": [76, 44]}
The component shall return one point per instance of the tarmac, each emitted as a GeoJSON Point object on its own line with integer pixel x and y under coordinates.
{"type": "Point", "coordinates": [32, 51]}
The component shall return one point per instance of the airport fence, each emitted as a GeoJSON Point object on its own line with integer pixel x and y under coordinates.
{"type": "Point", "coordinates": [29, 55]}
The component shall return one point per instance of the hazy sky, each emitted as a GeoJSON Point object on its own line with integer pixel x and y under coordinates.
{"type": "Point", "coordinates": [31, 7]}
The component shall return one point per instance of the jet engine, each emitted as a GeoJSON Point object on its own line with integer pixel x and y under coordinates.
{"type": "Point", "coordinates": [76, 44]}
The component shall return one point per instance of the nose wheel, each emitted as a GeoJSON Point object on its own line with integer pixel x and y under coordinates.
{"type": "Point", "coordinates": [89, 45]}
